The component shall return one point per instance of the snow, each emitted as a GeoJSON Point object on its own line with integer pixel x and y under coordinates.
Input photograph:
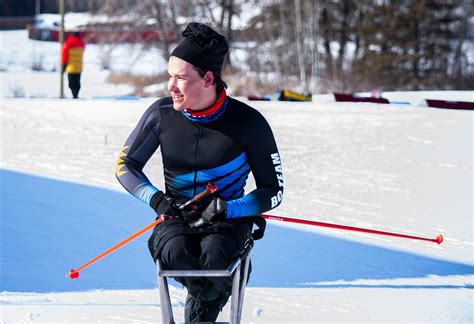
{"type": "Point", "coordinates": [72, 20]}
{"type": "Point", "coordinates": [398, 168]}
{"type": "Point", "coordinates": [19, 55]}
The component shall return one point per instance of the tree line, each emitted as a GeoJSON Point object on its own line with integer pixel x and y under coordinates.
{"type": "Point", "coordinates": [359, 45]}
{"type": "Point", "coordinates": [326, 45]}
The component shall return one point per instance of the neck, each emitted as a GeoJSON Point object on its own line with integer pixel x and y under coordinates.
{"type": "Point", "coordinates": [210, 100]}
{"type": "Point", "coordinates": [212, 108]}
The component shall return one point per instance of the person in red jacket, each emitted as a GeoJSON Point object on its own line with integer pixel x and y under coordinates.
{"type": "Point", "coordinates": [71, 59]}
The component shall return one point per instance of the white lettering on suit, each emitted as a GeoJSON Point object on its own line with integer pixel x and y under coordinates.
{"type": "Point", "coordinates": [276, 200]}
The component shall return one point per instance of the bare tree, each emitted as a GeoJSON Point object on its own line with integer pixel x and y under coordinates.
{"type": "Point", "coordinates": [299, 46]}
{"type": "Point", "coordinates": [158, 9]}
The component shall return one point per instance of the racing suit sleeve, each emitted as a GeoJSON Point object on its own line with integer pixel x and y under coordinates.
{"type": "Point", "coordinates": [265, 164]}
{"type": "Point", "coordinates": [137, 150]}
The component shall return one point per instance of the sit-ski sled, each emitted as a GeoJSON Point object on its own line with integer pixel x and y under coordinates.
{"type": "Point", "coordinates": [239, 267]}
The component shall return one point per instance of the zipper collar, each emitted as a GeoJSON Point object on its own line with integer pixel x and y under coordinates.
{"type": "Point", "coordinates": [209, 114]}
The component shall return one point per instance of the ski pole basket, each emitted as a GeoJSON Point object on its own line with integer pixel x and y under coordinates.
{"type": "Point", "coordinates": [239, 265]}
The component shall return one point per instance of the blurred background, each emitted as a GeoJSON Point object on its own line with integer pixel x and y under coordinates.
{"type": "Point", "coordinates": [304, 45]}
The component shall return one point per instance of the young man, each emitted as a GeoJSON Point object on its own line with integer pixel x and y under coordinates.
{"type": "Point", "coordinates": [71, 60]}
{"type": "Point", "coordinates": [204, 136]}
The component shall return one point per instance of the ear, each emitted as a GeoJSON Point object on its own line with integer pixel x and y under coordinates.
{"type": "Point", "coordinates": [208, 79]}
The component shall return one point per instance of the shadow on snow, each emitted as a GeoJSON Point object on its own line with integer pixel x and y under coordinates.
{"type": "Point", "coordinates": [49, 227]}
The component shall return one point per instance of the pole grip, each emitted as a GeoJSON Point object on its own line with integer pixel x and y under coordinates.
{"type": "Point", "coordinates": [210, 189]}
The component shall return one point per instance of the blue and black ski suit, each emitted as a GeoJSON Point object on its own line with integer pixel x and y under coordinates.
{"type": "Point", "coordinates": [223, 148]}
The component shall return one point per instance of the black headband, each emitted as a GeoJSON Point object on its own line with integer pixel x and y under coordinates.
{"type": "Point", "coordinates": [202, 47]}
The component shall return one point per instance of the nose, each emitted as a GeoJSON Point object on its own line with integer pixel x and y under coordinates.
{"type": "Point", "coordinates": [172, 85]}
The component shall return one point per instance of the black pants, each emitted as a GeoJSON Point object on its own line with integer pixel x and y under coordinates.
{"type": "Point", "coordinates": [211, 248]}
{"type": "Point", "coordinates": [74, 80]}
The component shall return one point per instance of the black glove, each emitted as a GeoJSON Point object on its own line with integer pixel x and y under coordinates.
{"type": "Point", "coordinates": [163, 204]}
{"type": "Point", "coordinates": [214, 212]}
{"type": "Point", "coordinates": [64, 67]}
{"type": "Point", "coordinates": [188, 213]}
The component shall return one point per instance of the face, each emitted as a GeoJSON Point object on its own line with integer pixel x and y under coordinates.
{"type": "Point", "coordinates": [186, 86]}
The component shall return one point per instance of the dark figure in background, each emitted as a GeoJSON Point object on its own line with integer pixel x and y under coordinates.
{"type": "Point", "coordinates": [72, 53]}
{"type": "Point", "coordinates": [204, 136]}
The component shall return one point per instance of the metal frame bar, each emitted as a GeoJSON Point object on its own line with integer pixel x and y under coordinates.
{"type": "Point", "coordinates": [242, 288]}
{"type": "Point", "coordinates": [238, 286]}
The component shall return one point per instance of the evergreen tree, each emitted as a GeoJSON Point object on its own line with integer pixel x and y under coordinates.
{"type": "Point", "coordinates": [408, 44]}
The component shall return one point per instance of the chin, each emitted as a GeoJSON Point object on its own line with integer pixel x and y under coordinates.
{"type": "Point", "coordinates": [178, 107]}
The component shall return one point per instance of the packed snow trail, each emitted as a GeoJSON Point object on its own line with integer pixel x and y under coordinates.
{"type": "Point", "coordinates": [399, 169]}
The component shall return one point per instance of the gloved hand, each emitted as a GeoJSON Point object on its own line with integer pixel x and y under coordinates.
{"type": "Point", "coordinates": [214, 212]}
{"type": "Point", "coordinates": [163, 204]}
{"type": "Point", "coordinates": [188, 213]}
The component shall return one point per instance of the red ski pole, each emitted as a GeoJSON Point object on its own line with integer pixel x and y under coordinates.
{"type": "Point", "coordinates": [438, 239]}
{"type": "Point", "coordinates": [74, 273]}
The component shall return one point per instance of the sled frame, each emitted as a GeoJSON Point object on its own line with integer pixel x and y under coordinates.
{"type": "Point", "coordinates": [239, 265]}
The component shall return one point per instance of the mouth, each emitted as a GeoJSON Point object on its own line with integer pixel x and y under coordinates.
{"type": "Point", "coordinates": [177, 98]}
